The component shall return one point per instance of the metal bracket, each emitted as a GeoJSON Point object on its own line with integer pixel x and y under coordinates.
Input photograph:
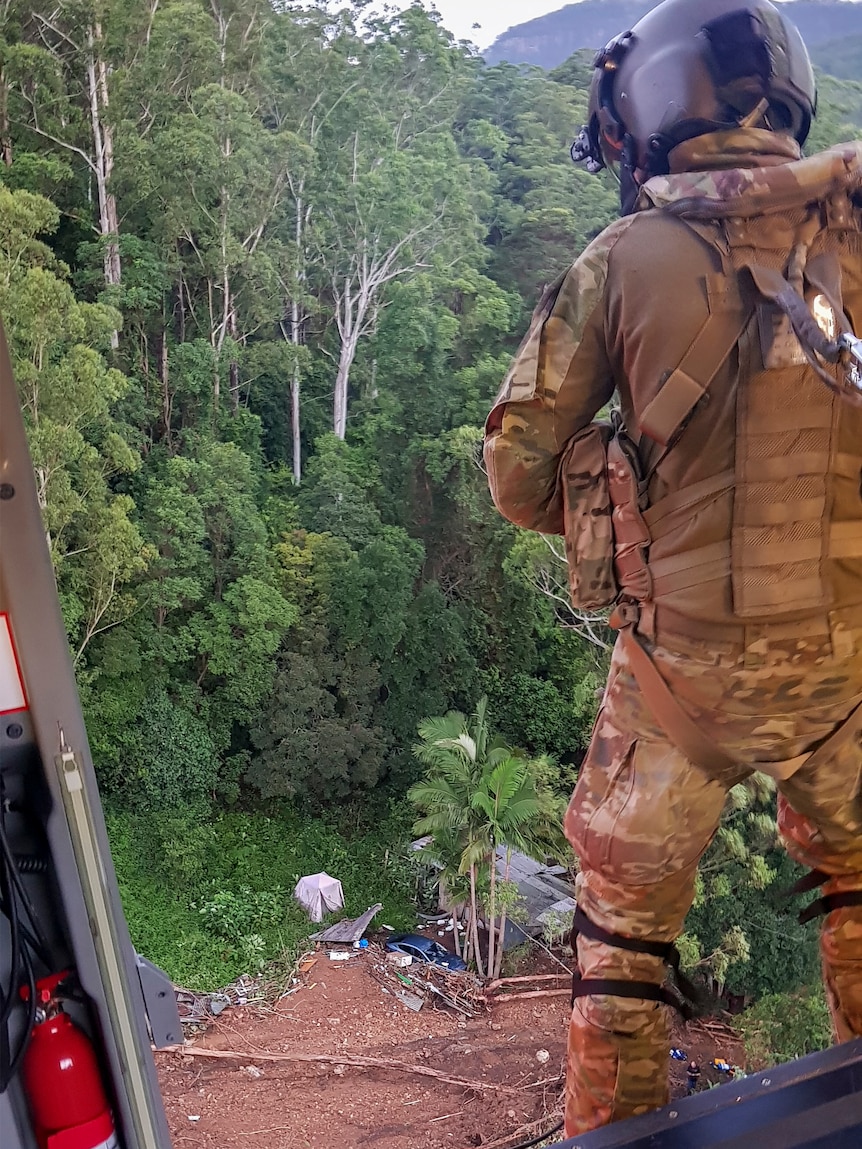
{"type": "Point", "coordinates": [853, 345]}
{"type": "Point", "coordinates": [160, 1003]}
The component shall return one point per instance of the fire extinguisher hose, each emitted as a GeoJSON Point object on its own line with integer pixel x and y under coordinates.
{"type": "Point", "coordinates": [26, 942]}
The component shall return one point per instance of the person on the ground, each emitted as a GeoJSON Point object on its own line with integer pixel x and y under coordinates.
{"type": "Point", "coordinates": [719, 510]}
{"type": "Point", "coordinates": [693, 1076]}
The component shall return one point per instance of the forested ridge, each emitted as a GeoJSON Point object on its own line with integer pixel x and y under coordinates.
{"type": "Point", "coordinates": [832, 29]}
{"type": "Point", "coordinates": [262, 269]}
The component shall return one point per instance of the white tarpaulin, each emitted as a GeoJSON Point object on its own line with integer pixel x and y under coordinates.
{"type": "Point", "coordinates": [319, 894]}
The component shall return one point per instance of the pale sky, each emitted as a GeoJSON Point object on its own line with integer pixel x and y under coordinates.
{"type": "Point", "coordinates": [493, 16]}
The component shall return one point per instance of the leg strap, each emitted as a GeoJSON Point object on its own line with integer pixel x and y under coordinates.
{"type": "Point", "coordinates": [686, 995]}
{"type": "Point", "coordinates": [825, 905]}
{"type": "Point", "coordinates": [830, 902]}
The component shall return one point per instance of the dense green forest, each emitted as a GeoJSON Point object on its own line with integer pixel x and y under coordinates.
{"type": "Point", "coordinates": [261, 270]}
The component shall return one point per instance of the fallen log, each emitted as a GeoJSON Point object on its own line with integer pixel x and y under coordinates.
{"type": "Point", "coordinates": [536, 977]}
{"type": "Point", "coordinates": [533, 993]}
{"type": "Point", "coordinates": [357, 1060]}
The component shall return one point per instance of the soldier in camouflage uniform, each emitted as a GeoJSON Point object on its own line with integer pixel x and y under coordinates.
{"type": "Point", "coordinates": [723, 520]}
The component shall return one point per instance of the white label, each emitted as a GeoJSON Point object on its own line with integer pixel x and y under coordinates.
{"type": "Point", "coordinates": [11, 688]}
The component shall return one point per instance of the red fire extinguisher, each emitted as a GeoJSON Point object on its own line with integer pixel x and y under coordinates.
{"type": "Point", "coordinates": [62, 1079]}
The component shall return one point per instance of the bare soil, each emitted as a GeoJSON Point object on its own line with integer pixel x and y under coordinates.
{"type": "Point", "coordinates": [341, 1011]}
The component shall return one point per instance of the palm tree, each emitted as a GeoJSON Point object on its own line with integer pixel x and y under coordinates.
{"type": "Point", "coordinates": [458, 752]}
{"type": "Point", "coordinates": [522, 815]}
{"type": "Point", "coordinates": [480, 794]}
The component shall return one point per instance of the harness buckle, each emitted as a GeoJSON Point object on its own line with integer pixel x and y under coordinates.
{"type": "Point", "coordinates": [625, 613]}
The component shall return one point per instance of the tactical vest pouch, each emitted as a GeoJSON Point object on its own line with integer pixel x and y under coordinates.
{"type": "Point", "coordinates": [587, 518]}
{"type": "Point", "coordinates": [606, 537]}
{"type": "Point", "coordinates": [631, 534]}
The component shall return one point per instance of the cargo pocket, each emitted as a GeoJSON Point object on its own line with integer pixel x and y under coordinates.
{"type": "Point", "coordinates": [602, 794]}
{"type": "Point", "coordinates": [641, 813]}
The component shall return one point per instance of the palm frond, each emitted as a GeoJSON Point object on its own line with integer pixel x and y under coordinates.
{"type": "Point", "coordinates": [506, 780]}
{"type": "Point", "coordinates": [446, 727]}
{"type": "Point", "coordinates": [520, 810]}
{"type": "Point", "coordinates": [479, 726]}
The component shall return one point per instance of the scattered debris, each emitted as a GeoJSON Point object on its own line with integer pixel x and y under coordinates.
{"type": "Point", "coordinates": [398, 959]}
{"type": "Point", "coordinates": [460, 992]}
{"type": "Point", "coordinates": [218, 1003]}
{"type": "Point", "coordinates": [262, 993]}
{"type": "Point", "coordinates": [451, 1002]}
{"type": "Point", "coordinates": [197, 1010]}
{"type": "Point", "coordinates": [340, 955]}
{"type": "Point", "coordinates": [350, 930]}
{"type": "Point", "coordinates": [412, 1000]}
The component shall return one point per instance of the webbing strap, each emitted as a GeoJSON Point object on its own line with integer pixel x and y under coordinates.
{"type": "Point", "coordinates": [685, 498]}
{"type": "Point", "coordinates": [813, 880]}
{"type": "Point", "coordinates": [675, 572]}
{"type": "Point", "coordinates": [718, 553]}
{"type": "Point", "coordinates": [776, 288]}
{"type": "Point", "coordinates": [683, 1000]}
{"type": "Point", "coordinates": [786, 467]}
{"type": "Point", "coordinates": [581, 924]}
{"type": "Point", "coordinates": [667, 414]}
{"type": "Point", "coordinates": [829, 904]}
{"type": "Point", "coordinates": [680, 728]}
{"type": "Point", "coordinates": [642, 990]}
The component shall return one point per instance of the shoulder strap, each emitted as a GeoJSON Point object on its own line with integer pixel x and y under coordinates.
{"type": "Point", "coordinates": [666, 416]}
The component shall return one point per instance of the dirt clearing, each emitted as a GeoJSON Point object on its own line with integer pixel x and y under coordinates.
{"type": "Point", "coordinates": [514, 1050]}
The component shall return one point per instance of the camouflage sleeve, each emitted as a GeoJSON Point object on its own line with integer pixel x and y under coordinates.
{"type": "Point", "coordinates": [560, 379]}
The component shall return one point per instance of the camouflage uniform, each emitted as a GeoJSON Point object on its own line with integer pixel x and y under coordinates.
{"type": "Point", "coordinates": [754, 573]}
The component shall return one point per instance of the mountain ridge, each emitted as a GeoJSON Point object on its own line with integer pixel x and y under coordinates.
{"type": "Point", "coordinates": [547, 41]}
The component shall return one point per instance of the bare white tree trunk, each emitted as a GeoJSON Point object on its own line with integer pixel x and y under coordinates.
{"type": "Point", "coordinates": [5, 134]}
{"type": "Point", "coordinates": [492, 912]}
{"type": "Point", "coordinates": [296, 320]}
{"type": "Point", "coordinates": [358, 279]}
{"type": "Point", "coordinates": [103, 155]}
{"type": "Point", "coordinates": [351, 315]}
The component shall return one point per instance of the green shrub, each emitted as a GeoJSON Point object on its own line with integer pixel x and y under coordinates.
{"type": "Point", "coordinates": [785, 1026]}
{"type": "Point", "coordinates": [210, 899]}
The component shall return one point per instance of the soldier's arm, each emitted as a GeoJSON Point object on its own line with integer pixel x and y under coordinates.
{"type": "Point", "coordinates": [560, 379]}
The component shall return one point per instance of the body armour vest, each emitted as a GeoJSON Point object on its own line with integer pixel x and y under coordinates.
{"type": "Point", "coordinates": [794, 543]}
{"type": "Point", "coordinates": [772, 533]}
